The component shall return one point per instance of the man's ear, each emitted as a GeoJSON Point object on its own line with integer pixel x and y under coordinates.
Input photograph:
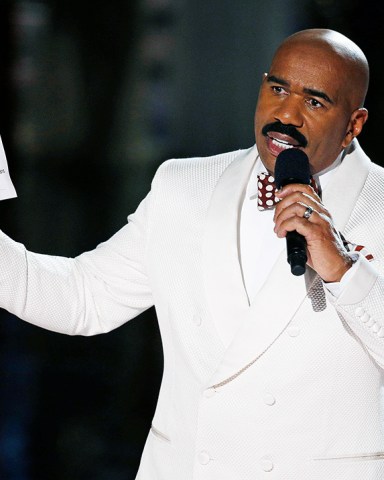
{"type": "Point", "coordinates": [264, 77]}
{"type": "Point", "coordinates": [355, 125]}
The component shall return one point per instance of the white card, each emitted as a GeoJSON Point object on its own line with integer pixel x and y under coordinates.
{"type": "Point", "coordinates": [7, 190]}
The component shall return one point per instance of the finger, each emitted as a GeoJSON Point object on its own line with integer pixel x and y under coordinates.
{"type": "Point", "coordinates": [289, 205]}
{"type": "Point", "coordinates": [299, 196]}
{"type": "Point", "coordinates": [297, 187]}
{"type": "Point", "coordinates": [298, 209]}
{"type": "Point", "coordinates": [309, 229]}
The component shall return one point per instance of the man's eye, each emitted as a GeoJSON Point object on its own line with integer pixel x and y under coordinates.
{"type": "Point", "coordinates": [314, 103]}
{"type": "Point", "coordinates": [277, 89]}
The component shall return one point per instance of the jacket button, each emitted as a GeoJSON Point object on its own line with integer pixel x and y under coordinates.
{"type": "Point", "coordinates": [210, 392]}
{"type": "Point", "coordinates": [266, 464]}
{"type": "Point", "coordinates": [293, 331]}
{"type": "Point", "coordinates": [204, 458]}
{"type": "Point", "coordinates": [370, 322]}
{"type": "Point", "coordinates": [269, 399]}
{"type": "Point", "coordinates": [197, 320]}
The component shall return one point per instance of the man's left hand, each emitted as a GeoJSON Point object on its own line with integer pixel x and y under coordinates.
{"type": "Point", "coordinates": [325, 250]}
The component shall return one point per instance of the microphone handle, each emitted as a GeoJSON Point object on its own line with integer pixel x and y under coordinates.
{"type": "Point", "coordinates": [296, 252]}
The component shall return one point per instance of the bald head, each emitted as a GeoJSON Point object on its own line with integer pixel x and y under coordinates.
{"type": "Point", "coordinates": [312, 98]}
{"type": "Point", "coordinates": [341, 53]}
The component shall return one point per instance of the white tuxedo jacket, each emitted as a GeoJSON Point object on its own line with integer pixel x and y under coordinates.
{"type": "Point", "coordinates": [298, 393]}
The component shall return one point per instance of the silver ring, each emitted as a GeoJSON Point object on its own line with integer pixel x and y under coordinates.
{"type": "Point", "coordinates": [308, 212]}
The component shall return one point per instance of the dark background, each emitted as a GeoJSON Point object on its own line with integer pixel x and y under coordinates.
{"type": "Point", "coordinates": [94, 96]}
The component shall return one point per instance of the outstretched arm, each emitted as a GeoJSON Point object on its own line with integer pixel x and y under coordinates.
{"type": "Point", "coordinates": [90, 294]}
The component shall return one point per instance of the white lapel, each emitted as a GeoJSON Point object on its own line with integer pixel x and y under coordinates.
{"type": "Point", "coordinates": [253, 327]}
{"type": "Point", "coordinates": [223, 279]}
{"type": "Point", "coordinates": [272, 310]}
{"type": "Point", "coordinates": [282, 294]}
{"type": "Point", "coordinates": [344, 187]}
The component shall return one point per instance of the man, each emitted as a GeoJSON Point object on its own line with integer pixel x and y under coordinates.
{"type": "Point", "coordinates": [266, 375]}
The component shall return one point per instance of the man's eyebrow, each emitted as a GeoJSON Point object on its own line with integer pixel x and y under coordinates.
{"type": "Point", "coordinates": [310, 91]}
{"type": "Point", "coordinates": [273, 79]}
{"type": "Point", "coordinates": [318, 93]}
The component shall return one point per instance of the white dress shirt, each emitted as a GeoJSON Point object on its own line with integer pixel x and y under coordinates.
{"type": "Point", "coordinates": [259, 245]}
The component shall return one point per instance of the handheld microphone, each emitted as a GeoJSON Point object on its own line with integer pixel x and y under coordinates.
{"type": "Point", "coordinates": [292, 166]}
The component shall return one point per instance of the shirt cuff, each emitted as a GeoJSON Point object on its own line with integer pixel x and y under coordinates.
{"type": "Point", "coordinates": [335, 288]}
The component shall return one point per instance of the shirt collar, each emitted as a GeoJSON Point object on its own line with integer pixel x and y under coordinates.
{"type": "Point", "coordinates": [322, 178]}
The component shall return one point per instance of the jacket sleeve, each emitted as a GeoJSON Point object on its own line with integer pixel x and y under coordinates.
{"type": "Point", "coordinates": [90, 294]}
{"type": "Point", "coordinates": [361, 306]}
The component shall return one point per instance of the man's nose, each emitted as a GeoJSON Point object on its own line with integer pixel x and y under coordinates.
{"type": "Point", "coordinates": [290, 111]}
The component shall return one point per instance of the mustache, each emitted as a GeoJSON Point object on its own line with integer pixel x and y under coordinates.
{"type": "Point", "coordinates": [289, 130]}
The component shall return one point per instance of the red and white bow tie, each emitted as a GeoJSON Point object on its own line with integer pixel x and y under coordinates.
{"type": "Point", "coordinates": [267, 189]}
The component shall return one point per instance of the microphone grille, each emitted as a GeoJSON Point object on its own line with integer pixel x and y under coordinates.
{"type": "Point", "coordinates": [292, 166]}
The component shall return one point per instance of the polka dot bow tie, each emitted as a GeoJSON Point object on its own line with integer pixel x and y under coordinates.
{"type": "Point", "coordinates": [267, 189]}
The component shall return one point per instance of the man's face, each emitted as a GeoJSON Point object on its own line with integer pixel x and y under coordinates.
{"type": "Point", "coordinates": [304, 102]}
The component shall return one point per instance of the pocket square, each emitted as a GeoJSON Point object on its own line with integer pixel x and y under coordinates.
{"type": "Point", "coordinates": [354, 247]}
{"type": "Point", "coordinates": [362, 250]}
